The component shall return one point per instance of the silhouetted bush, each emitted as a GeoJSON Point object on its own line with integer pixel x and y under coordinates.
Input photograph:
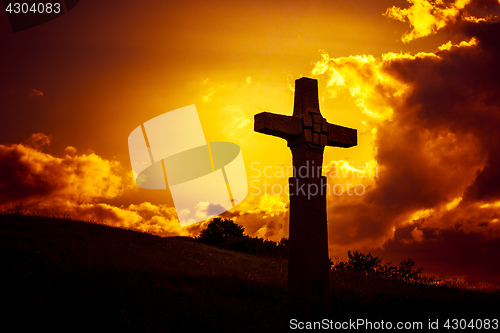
{"type": "Point", "coordinates": [367, 264]}
{"type": "Point", "coordinates": [16, 209]}
{"type": "Point", "coordinates": [283, 247]}
{"type": "Point", "coordinates": [361, 263]}
{"type": "Point", "coordinates": [406, 273]}
{"type": "Point", "coordinates": [227, 234]}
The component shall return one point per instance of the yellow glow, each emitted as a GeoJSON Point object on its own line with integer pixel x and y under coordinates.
{"type": "Point", "coordinates": [344, 169]}
{"type": "Point", "coordinates": [233, 66]}
{"type": "Point", "coordinates": [449, 46]}
{"type": "Point", "coordinates": [363, 76]}
{"type": "Point", "coordinates": [452, 204]}
{"type": "Point", "coordinates": [399, 56]}
{"type": "Point", "coordinates": [446, 46]}
{"type": "Point", "coordinates": [492, 205]}
{"type": "Point", "coordinates": [476, 19]}
{"type": "Point", "coordinates": [426, 17]}
{"type": "Point", "coordinates": [420, 214]}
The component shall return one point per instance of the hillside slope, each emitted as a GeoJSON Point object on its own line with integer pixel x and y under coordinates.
{"type": "Point", "coordinates": [69, 275]}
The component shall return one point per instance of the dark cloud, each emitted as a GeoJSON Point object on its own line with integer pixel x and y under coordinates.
{"type": "Point", "coordinates": [447, 252]}
{"type": "Point", "coordinates": [18, 182]}
{"type": "Point", "coordinates": [486, 186]}
{"type": "Point", "coordinates": [438, 153]}
{"type": "Point", "coordinates": [442, 143]}
{"type": "Point", "coordinates": [457, 94]}
{"type": "Point", "coordinates": [28, 174]}
{"type": "Point", "coordinates": [358, 224]}
{"type": "Point", "coordinates": [76, 185]}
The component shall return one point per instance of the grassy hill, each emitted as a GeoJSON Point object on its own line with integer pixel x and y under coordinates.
{"type": "Point", "coordinates": [75, 276]}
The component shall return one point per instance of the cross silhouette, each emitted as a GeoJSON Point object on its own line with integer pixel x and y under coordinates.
{"type": "Point", "coordinates": [307, 134]}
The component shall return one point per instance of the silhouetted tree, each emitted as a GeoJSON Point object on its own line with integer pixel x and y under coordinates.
{"type": "Point", "coordinates": [227, 234]}
{"type": "Point", "coordinates": [220, 230]}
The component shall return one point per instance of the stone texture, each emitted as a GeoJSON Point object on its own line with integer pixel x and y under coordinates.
{"type": "Point", "coordinates": [339, 136]}
{"type": "Point", "coordinates": [285, 127]}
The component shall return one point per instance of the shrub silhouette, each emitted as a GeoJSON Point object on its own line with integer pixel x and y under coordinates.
{"type": "Point", "coordinates": [406, 273]}
{"type": "Point", "coordinates": [227, 234]}
{"type": "Point", "coordinates": [220, 231]}
{"type": "Point", "coordinates": [283, 247]}
{"type": "Point", "coordinates": [361, 263]}
{"type": "Point", "coordinates": [367, 264]}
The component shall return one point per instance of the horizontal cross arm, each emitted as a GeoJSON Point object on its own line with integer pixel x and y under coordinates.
{"type": "Point", "coordinates": [340, 136]}
{"type": "Point", "coordinates": [286, 127]}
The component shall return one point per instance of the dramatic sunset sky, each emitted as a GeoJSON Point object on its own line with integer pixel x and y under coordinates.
{"type": "Point", "coordinates": [419, 80]}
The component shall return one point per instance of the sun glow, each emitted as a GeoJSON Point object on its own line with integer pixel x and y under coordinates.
{"type": "Point", "coordinates": [364, 77]}
{"type": "Point", "coordinates": [426, 17]}
{"type": "Point", "coordinates": [491, 205]}
{"type": "Point", "coordinates": [452, 204]}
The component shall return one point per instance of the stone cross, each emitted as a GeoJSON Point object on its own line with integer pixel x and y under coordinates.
{"type": "Point", "coordinates": [307, 134]}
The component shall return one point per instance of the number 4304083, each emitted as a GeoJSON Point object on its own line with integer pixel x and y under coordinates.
{"type": "Point", "coordinates": [481, 324]}
{"type": "Point", "coordinates": [38, 8]}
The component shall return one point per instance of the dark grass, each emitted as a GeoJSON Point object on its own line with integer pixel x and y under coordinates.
{"type": "Point", "coordinates": [66, 275]}
{"type": "Point", "coordinates": [360, 296]}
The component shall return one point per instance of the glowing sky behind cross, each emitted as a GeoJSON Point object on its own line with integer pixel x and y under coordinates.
{"type": "Point", "coordinates": [418, 79]}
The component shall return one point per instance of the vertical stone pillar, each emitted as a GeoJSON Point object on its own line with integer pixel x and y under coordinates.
{"type": "Point", "coordinates": [308, 265]}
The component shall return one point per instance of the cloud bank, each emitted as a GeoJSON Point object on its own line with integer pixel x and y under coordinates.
{"type": "Point", "coordinates": [78, 186]}
{"type": "Point", "coordinates": [436, 118]}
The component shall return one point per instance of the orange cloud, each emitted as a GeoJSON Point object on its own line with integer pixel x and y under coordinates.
{"type": "Point", "coordinates": [263, 216]}
{"type": "Point", "coordinates": [76, 185]}
{"type": "Point", "coordinates": [367, 82]}
{"type": "Point", "coordinates": [80, 186]}
{"type": "Point", "coordinates": [411, 164]}
{"type": "Point", "coordinates": [29, 174]}
{"type": "Point", "coordinates": [427, 17]}
{"type": "Point", "coordinates": [436, 140]}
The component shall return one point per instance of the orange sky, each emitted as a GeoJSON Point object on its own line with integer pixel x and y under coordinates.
{"type": "Point", "coordinates": [418, 80]}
